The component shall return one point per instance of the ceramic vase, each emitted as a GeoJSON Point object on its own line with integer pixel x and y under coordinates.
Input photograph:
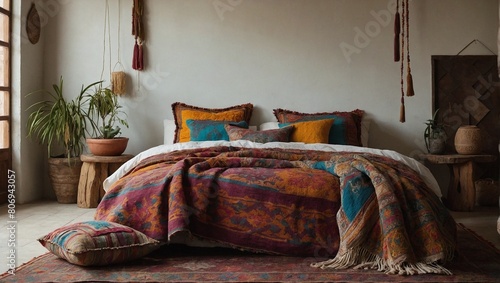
{"type": "Point", "coordinates": [468, 140]}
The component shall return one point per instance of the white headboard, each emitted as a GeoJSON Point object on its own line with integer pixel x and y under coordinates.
{"type": "Point", "coordinates": [168, 131]}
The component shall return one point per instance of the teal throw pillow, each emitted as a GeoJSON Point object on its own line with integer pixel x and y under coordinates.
{"type": "Point", "coordinates": [210, 130]}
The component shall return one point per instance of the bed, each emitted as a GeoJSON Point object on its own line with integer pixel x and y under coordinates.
{"type": "Point", "coordinates": [284, 188]}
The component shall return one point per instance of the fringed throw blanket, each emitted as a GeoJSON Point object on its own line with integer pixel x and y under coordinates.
{"type": "Point", "coordinates": [364, 210]}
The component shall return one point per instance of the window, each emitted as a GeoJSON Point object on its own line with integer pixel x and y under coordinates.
{"type": "Point", "coordinates": [5, 92]}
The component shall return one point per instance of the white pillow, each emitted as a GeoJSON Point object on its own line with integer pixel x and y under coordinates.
{"type": "Point", "coordinates": [269, 126]}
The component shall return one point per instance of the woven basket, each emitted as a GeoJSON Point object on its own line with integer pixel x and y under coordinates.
{"type": "Point", "coordinates": [486, 192]}
{"type": "Point", "coordinates": [64, 178]}
{"type": "Point", "coordinates": [33, 25]}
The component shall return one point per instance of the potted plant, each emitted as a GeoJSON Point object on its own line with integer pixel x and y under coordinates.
{"type": "Point", "coordinates": [57, 121]}
{"type": "Point", "coordinates": [435, 135]}
{"type": "Point", "coordinates": [106, 114]}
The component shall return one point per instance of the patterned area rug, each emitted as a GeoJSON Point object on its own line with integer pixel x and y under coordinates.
{"type": "Point", "coordinates": [475, 261]}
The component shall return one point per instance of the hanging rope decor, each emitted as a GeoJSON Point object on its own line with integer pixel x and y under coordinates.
{"type": "Point", "coordinates": [118, 78]}
{"type": "Point", "coordinates": [402, 114]}
{"type": "Point", "coordinates": [397, 32]}
{"type": "Point", "coordinates": [106, 40]}
{"type": "Point", "coordinates": [409, 79]}
{"type": "Point", "coordinates": [138, 33]}
{"type": "Point", "coordinates": [402, 46]}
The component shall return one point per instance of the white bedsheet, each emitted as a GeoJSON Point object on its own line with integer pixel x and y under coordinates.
{"type": "Point", "coordinates": [417, 166]}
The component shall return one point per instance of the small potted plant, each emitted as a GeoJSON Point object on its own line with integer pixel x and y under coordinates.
{"type": "Point", "coordinates": [435, 135]}
{"type": "Point", "coordinates": [106, 114]}
{"type": "Point", "coordinates": [61, 123]}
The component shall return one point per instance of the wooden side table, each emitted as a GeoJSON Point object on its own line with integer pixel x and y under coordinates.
{"type": "Point", "coordinates": [95, 169]}
{"type": "Point", "coordinates": [461, 191]}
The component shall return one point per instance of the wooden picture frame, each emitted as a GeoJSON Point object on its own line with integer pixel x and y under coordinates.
{"type": "Point", "coordinates": [466, 90]}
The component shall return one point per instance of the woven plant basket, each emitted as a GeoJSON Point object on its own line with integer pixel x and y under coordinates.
{"type": "Point", "coordinates": [486, 192]}
{"type": "Point", "coordinates": [64, 178]}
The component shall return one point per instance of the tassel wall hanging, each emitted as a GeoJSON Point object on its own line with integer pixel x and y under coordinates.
{"type": "Point", "coordinates": [138, 33]}
{"type": "Point", "coordinates": [397, 32]}
{"type": "Point", "coordinates": [402, 114]}
{"type": "Point", "coordinates": [402, 46]}
{"type": "Point", "coordinates": [409, 79]}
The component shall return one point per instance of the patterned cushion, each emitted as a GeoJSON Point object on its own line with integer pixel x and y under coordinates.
{"type": "Point", "coordinates": [346, 128]}
{"type": "Point", "coordinates": [183, 112]}
{"type": "Point", "coordinates": [275, 135]}
{"type": "Point", "coordinates": [98, 243]}
{"type": "Point", "coordinates": [316, 131]}
{"type": "Point", "coordinates": [208, 130]}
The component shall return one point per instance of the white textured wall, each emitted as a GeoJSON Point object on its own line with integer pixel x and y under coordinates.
{"type": "Point", "coordinates": [304, 55]}
{"type": "Point", "coordinates": [28, 158]}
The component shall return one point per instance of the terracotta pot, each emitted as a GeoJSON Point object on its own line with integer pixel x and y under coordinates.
{"type": "Point", "coordinates": [64, 176]}
{"type": "Point", "coordinates": [107, 147]}
{"type": "Point", "coordinates": [468, 140]}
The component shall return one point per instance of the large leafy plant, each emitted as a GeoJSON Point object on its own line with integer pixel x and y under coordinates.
{"type": "Point", "coordinates": [105, 114]}
{"type": "Point", "coordinates": [60, 121]}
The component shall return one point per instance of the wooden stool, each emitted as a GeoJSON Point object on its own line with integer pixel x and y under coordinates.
{"type": "Point", "coordinates": [461, 191]}
{"type": "Point", "coordinates": [95, 169]}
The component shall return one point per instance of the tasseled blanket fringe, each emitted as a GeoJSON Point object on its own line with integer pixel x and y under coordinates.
{"type": "Point", "coordinates": [369, 261]}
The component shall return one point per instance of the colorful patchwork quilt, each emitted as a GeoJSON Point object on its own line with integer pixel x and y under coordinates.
{"type": "Point", "coordinates": [360, 209]}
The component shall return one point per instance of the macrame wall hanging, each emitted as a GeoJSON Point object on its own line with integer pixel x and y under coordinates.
{"type": "Point", "coordinates": [139, 34]}
{"type": "Point", "coordinates": [106, 40]}
{"type": "Point", "coordinates": [402, 49]}
{"type": "Point", "coordinates": [118, 78]}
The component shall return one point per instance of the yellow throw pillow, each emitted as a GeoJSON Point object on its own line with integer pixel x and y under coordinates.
{"type": "Point", "coordinates": [183, 112]}
{"type": "Point", "coordinates": [345, 130]}
{"type": "Point", "coordinates": [316, 131]}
